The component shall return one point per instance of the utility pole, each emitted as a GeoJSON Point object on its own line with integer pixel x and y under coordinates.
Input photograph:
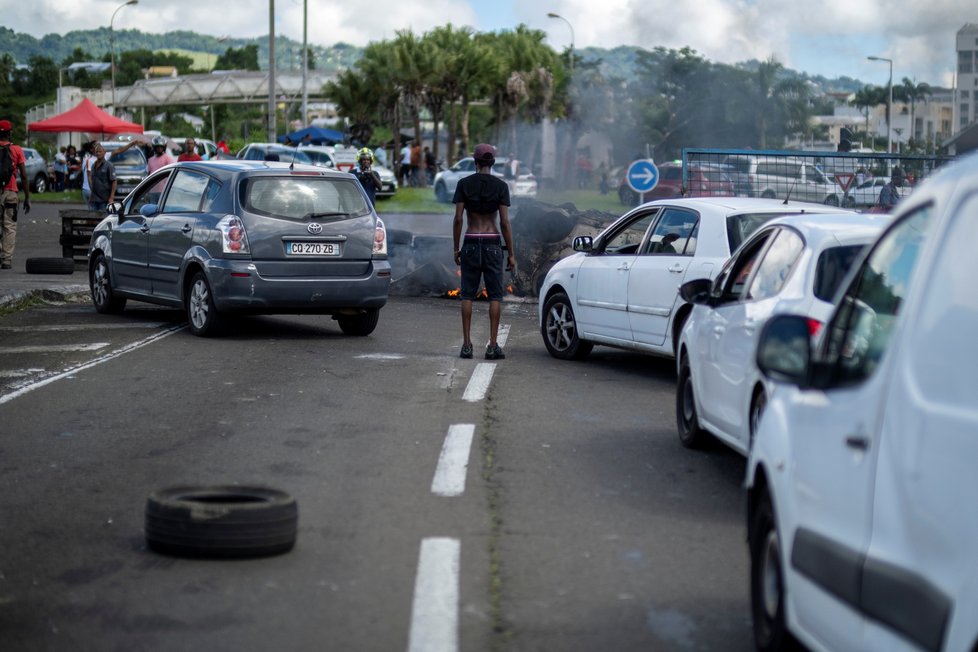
{"type": "Point", "coordinates": [271, 71]}
{"type": "Point", "coordinates": [305, 63]}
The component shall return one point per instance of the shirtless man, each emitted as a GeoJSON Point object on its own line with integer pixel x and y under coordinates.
{"type": "Point", "coordinates": [482, 196]}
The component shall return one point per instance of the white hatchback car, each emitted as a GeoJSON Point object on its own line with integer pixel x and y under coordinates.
{"type": "Point", "coordinates": [862, 491]}
{"type": "Point", "coordinates": [445, 182]}
{"type": "Point", "coordinates": [790, 265]}
{"type": "Point", "coordinates": [622, 288]}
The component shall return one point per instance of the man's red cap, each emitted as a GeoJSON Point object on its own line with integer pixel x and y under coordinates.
{"type": "Point", "coordinates": [485, 153]}
{"type": "Point", "coordinates": [5, 125]}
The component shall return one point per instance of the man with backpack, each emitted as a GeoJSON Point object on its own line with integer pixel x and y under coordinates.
{"type": "Point", "coordinates": [12, 161]}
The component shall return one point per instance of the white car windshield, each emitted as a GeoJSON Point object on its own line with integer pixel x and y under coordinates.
{"type": "Point", "coordinates": [302, 197]}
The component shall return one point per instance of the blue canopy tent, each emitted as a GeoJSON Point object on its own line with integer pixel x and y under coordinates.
{"type": "Point", "coordinates": [314, 136]}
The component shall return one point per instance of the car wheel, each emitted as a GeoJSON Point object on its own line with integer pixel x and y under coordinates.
{"type": "Point", "coordinates": [559, 330]}
{"type": "Point", "coordinates": [41, 183]}
{"type": "Point", "coordinates": [849, 202]}
{"type": "Point", "coordinates": [756, 410]}
{"type": "Point", "coordinates": [101, 285]}
{"type": "Point", "coordinates": [360, 325]}
{"type": "Point", "coordinates": [222, 522]}
{"type": "Point", "coordinates": [50, 266]}
{"type": "Point", "coordinates": [441, 193]}
{"type": "Point", "coordinates": [627, 196]}
{"type": "Point", "coordinates": [767, 594]}
{"type": "Point", "coordinates": [204, 318]}
{"type": "Point", "coordinates": [687, 423]}
{"type": "Point", "coordinates": [832, 200]}
{"type": "Point", "coordinates": [768, 194]}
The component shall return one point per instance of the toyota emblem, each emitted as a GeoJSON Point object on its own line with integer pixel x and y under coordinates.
{"type": "Point", "coordinates": [315, 228]}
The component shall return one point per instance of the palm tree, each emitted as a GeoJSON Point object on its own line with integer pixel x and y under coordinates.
{"type": "Point", "coordinates": [910, 91]}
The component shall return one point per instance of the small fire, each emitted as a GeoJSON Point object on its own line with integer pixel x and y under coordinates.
{"type": "Point", "coordinates": [454, 293]}
{"type": "Point", "coordinates": [457, 292]}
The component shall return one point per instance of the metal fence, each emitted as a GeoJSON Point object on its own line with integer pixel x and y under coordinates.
{"type": "Point", "coordinates": [850, 179]}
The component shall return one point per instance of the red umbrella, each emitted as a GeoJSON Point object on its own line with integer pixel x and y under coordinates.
{"type": "Point", "coordinates": [85, 117]}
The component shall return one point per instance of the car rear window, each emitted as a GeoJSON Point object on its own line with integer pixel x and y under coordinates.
{"type": "Point", "coordinates": [742, 225]}
{"type": "Point", "coordinates": [128, 157]}
{"type": "Point", "coordinates": [741, 165]}
{"type": "Point", "coordinates": [832, 266]}
{"type": "Point", "coordinates": [304, 197]}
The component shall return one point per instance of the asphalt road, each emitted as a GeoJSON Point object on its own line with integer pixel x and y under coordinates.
{"type": "Point", "coordinates": [582, 524]}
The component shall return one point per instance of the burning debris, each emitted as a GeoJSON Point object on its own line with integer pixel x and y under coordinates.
{"type": "Point", "coordinates": [424, 265]}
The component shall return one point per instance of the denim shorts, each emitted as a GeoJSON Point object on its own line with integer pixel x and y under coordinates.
{"type": "Point", "coordinates": [482, 259]}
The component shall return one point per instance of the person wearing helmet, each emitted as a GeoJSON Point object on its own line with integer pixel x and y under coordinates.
{"type": "Point", "coordinates": [160, 156]}
{"type": "Point", "coordinates": [367, 177]}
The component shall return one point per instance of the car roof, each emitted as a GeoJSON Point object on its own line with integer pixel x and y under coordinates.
{"type": "Point", "coordinates": [829, 229]}
{"type": "Point", "coordinates": [238, 166]}
{"type": "Point", "coordinates": [746, 205]}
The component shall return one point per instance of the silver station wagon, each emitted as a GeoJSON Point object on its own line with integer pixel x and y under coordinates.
{"type": "Point", "coordinates": [222, 237]}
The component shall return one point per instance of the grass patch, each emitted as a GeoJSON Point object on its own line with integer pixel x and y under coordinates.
{"type": "Point", "coordinates": [66, 197]}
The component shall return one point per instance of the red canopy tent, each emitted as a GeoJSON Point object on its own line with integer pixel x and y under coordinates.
{"type": "Point", "coordinates": [86, 117]}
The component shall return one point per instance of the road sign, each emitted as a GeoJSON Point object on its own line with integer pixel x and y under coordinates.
{"type": "Point", "coordinates": [345, 158]}
{"type": "Point", "coordinates": [844, 179]}
{"type": "Point", "coordinates": [642, 175]}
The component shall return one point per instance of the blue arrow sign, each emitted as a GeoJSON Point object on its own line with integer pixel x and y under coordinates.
{"type": "Point", "coordinates": [642, 175]}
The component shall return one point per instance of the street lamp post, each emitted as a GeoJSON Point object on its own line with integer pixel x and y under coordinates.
{"type": "Point", "coordinates": [112, 44]}
{"type": "Point", "coordinates": [553, 15]}
{"type": "Point", "coordinates": [889, 106]}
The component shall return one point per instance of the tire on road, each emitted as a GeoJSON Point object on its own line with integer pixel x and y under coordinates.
{"type": "Point", "coordinates": [224, 522]}
{"type": "Point", "coordinates": [50, 266]}
{"type": "Point", "coordinates": [359, 325]}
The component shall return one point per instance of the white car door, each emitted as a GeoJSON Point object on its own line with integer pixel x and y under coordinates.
{"type": "Point", "coordinates": [653, 284]}
{"type": "Point", "coordinates": [602, 280]}
{"type": "Point", "coordinates": [835, 445]}
{"type": "Point", "coordinates": [925, 518]}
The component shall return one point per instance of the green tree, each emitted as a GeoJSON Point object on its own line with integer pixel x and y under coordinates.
{"type": "Point", "coordinates": [910, 91]}
{"type": "Point", "coordinates": [245, 58]}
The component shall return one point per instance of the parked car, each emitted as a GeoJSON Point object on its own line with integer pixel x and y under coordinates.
{"type": "Point", "coordinates": [131, 166]}
{"type": "Point", "coordinates": [792, 264]}
{"type": "Point", "coordinates": [322, 155]}
{"type": "Point", "coordinates": [207, 149]}
{"type": "Point", "coordinates": [37, 170]}
{"type": "Point", "coordinates": [621, 288]}
{"type": "Point", "coordinates": [702, 181]}
{"type": "Point", "coordinates": [222, 237]}
{"type": "Point", "coordinates": [868, 192]}
{"type": "Point", "coordinates": [782, 177]}
{"type": "Point", "coordinates": [862, 497]}
{"type": "Point", "coordinates": [525, 184]}
{"type": "Point", "coordinates": [273, 152]}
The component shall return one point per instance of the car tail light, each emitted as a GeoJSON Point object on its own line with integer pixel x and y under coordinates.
{"type": "Point", "coordinates": [814, 326]}
{"type": "Point", "coordinates": [380, 239]}
{"type": "Point", "coordinates": [234, 238]}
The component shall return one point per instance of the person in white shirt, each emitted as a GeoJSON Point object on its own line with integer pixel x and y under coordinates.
{"type": "Point", "coordinates": [405, 163]}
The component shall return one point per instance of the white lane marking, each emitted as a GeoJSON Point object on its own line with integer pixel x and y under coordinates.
{"type": "Point", "coordinates": [434, 614]}
{"type": "Point", "coordinates": [20, 373]}
{"type": "Point", "coordinates": [453, 463]}
{"type": "Point", "coordinates": [479, 382]}
{"type": "Point", "coordinates": [502, 335]}
{"type": "Point", "coordinates": [6, 398]}
{"type": "Point", "coordinates": [79, 327]}
{"type": "Point", "coordinates": [51, 348]}
{"type": "Point", "coordinates": [379, 356]}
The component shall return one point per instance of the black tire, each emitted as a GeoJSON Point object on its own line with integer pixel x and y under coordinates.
{"type": "Point", "coordinates": [359, 325]}
{"type": "Point", "coordinates": [768, 194]}
{"type": "Point", "coordinates": [41, 183]}
{"type": "Point", "coordinates": [687, 423]}
{"type": "Point", "coordinates": [627, 196]}
{"type": "Point", "coordinates": [832, 200]}
{"type": "Point", "coordinates": [757, 405]}
{"type": "Point", "coordinates": [204, 318]}
{"type": "Point", "coordinates": [441, 193]}
{"type": "Point", "coordinates": [849, 202]}
{"type": "Point", "coordinates": [50, 266]}
{"type": "Point", "coordinates": [221, 522]}
{"type": "Point", "coordinates": [559, 330]}
{"type": "Point", "coordinates": [101, 287]}
{"type": "Point", "coordinates": [767, 595]}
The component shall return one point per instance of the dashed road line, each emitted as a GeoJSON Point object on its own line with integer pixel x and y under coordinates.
{"type": "Point", "coordinates": [479, 382]}
{"type": "Point", "coordinates": [434, 614]}
{"type": "Point", "coordinates": [502, 335]}
{"type": "Point", "coordinates": [453, 463]}
{"type": "Point", "coordinates": [54, 348]}
{"type": "Point", "coordinates": [55, 328]}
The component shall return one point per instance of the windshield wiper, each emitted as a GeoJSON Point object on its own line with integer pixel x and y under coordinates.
{"type": "Point", "coordinates": [316, 216]}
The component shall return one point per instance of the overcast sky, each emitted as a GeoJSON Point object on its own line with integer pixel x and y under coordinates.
{"type": "Point", "coordinates": [827, 37]}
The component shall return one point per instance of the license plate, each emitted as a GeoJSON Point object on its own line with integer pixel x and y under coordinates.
{"type": "Point", "coordinates": [312, 248]}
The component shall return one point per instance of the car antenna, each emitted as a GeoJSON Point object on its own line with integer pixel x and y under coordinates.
{"type": "Point", "coordinates": [789, 192]}
{"type": "Point", "coordinates": [295, 153]}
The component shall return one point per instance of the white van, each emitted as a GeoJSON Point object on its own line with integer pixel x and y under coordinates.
{"type": "Point", "coordinates": [862, 490]}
